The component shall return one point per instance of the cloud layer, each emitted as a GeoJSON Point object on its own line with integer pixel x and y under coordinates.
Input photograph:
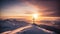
{"type": "Point", "coordinates": [17, 7]}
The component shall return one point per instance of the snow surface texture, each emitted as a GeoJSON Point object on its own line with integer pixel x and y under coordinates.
{"type": "Point", "coordinates": [30, 29]}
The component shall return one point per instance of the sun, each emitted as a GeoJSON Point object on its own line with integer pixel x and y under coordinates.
{"type": "Point", "coordinates": [35, 16]}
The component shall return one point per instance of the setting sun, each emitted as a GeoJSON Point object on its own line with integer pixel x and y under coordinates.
{"type": "Point", "coordinates": [35, 16]}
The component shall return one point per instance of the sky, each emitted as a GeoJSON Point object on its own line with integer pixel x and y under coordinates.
{"type": "Point", "coordinates": [48, 8]}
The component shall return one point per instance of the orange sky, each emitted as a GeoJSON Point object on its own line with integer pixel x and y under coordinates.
{"type": "Point", "coordinates": [25, 10]}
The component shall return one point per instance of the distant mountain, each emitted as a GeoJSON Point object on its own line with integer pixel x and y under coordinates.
{"type": "Point", "coordinates": [11, 24]}
{"type": "Point", "coordinates": [55, 23]}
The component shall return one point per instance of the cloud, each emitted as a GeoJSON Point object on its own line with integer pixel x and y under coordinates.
{"type": "Point", "coordinates": [46, 7]}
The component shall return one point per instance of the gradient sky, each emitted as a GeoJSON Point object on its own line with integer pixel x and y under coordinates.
{"type": "Point", "coordinates": [27, 7]}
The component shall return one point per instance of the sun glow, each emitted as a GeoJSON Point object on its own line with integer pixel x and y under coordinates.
{"type": "Point", "coordinates": [35, 16]}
